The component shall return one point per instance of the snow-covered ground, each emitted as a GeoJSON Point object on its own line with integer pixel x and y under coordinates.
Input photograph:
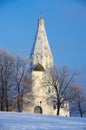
{"type": "Point", "coordinates": [25, 121]}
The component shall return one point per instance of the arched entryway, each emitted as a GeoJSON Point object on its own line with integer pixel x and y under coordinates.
{"type": "Point", "coordinates": [38, 110]}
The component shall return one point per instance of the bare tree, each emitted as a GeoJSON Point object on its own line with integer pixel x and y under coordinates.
{"type": "Point", "coordinates": [78, 102]}
{"type": "Point", "coordinates": [6, 78]}
{"type": "Point", "coordinates": [20, 69]}
{"type": "Point", "coordinates": [15, 81]}
{"type": "Point", "coordinates": [58, 81]}
{"type": "Point", "coordinates": [22, 80]}
{"type": "Point", "coordinates": [27, 94]}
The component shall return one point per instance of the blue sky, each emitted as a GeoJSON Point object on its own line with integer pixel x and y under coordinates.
{"type": "Point", "coordinates": [65, 22]}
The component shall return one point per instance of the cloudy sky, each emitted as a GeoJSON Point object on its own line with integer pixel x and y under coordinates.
{"type": "Point", "coordinates": [65, 22]}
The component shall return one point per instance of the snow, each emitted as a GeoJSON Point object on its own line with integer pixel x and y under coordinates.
{"type": "Point", "coordinates": [26, 121]}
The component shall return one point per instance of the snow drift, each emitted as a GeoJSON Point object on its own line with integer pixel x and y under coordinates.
{"type": "Point", "coordinates": [26, 121]}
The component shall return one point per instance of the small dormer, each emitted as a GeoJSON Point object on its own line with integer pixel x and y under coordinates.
{"type": "Point", "coordinates": [38, 67]}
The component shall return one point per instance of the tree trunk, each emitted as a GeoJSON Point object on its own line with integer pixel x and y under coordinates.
{"type": "Point", "coordinates": [2, 99]}
{"type": "Point", "coordinates": [19, 103]}
{"type": "Point", "coordinates": [7, 104]}
{"type": "Point", "coordinates": [6, 99]}
{"type": "Point", "coordinates": [58, 108]}
{"type": "Point", "coordinates": [81, 113]}
{"type": "Point", "coordinates": [2, 104]}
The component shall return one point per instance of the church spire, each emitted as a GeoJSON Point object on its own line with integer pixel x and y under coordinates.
{"type": "Point", "coordinates": [41, 16]}
{"type": "Point", "coordinates": [41, 53]}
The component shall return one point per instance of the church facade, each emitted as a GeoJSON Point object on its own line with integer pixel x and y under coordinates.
{"type": "Point", "coordinates": [42, 58]}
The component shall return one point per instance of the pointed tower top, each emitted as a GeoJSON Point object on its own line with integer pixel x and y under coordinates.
{"type": "Point", "coordinates": [40, 21]}
{"type": "Point", "coordinates": [41, 52]}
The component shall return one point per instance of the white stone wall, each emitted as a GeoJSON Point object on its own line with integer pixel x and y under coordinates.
{"type": "Point", "coordinates": [40, 93]}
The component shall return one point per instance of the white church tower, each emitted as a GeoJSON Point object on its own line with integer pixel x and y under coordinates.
{"type": "Point", "coordinates": [41, 53]}
{"type": "Point", "coordinates": [42, 58]}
